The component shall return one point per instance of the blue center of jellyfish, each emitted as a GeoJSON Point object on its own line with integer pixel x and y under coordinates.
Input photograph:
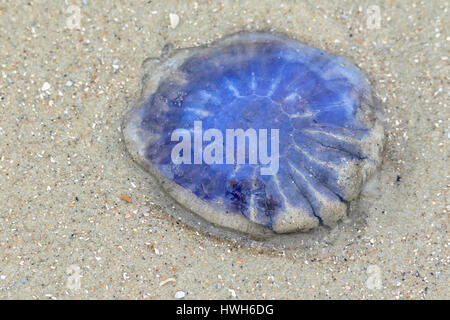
{"type": "Point", "coordinates": [306, 94]}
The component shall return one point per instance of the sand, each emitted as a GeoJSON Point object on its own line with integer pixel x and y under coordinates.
{"type": "Point", "coordinates": [79, 220]}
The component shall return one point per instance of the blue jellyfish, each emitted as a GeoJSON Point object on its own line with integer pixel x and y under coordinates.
{"type": "Point", "coordinates": [257, 133]}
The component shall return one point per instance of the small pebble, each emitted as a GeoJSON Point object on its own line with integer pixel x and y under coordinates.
{"type": "Point", "coordinates": [174, 20]}
{"type": "Point", "coordinates": [179, 295]}
{"type": "Point", "coordinates": [126, 198]}
{"type": "Point", "coordinates": [45, 86]}
{"type": "Point", "coordinates": [232, 292]}
{"type": "Point", "coordinates": [69, 83]}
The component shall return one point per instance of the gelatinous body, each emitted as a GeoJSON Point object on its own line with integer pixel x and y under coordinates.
{"type": "Point", "coordinates": [330, 140]}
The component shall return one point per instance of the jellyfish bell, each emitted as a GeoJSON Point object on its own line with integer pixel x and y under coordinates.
{"type": "Point", "coordinates": [255, 86]}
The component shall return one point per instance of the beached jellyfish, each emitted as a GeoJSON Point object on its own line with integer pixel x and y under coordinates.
{"type": "Point", "coordinates": [257, 134]}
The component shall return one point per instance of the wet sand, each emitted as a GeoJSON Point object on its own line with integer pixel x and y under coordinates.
{"type": "Point", "coordinates": [80, 220]}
